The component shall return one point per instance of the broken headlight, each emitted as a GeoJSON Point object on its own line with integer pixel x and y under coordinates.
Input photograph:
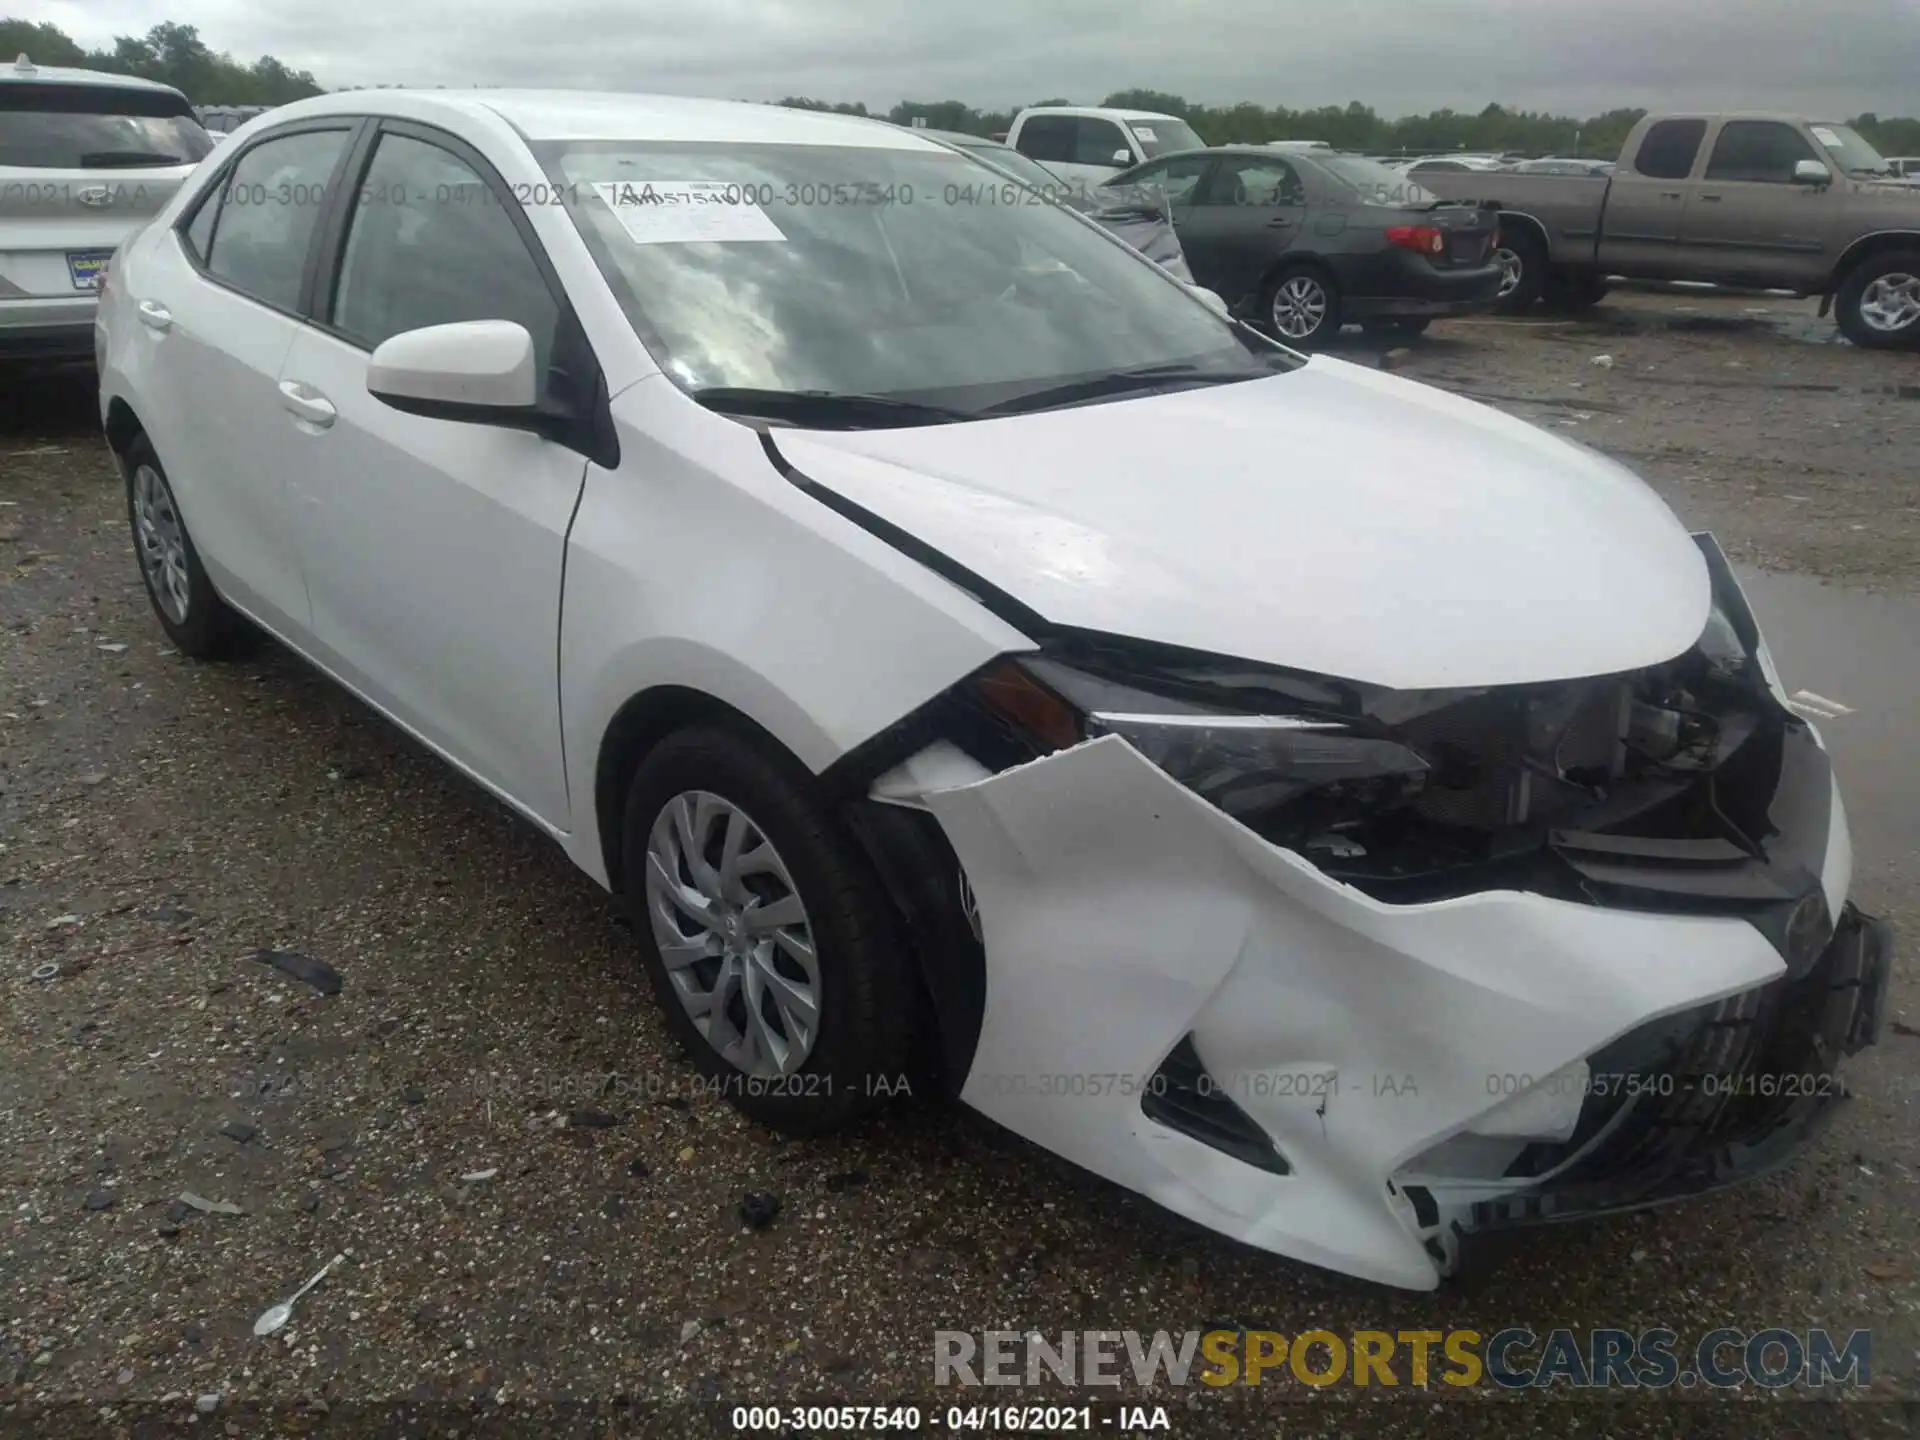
{"type": "Point", "coordinates": [1309, 763]}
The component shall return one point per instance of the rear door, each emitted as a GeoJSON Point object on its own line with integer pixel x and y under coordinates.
{"type": "Point", "coordinates": [1750, 219]}
{"type": "Point", "coordinates": [1251, 211]}
{"type": "Point", "coordinates": [216, 303]}
{"type": "Point", "coordinates": [1646, 206]}
{"type": "Point", "coordinates": [82, 166]}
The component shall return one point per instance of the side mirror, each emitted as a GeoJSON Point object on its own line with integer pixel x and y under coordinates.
{"type": "Point", "coordinates": [478, 371]}
{"type": "Point", "coordinates": [1123, 158]}
{"type": "Point", "coordinates": [1211, 299]}
{"type": "Point", "coordinates": [1811, 172]}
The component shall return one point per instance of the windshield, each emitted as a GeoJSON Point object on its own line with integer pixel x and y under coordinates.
{"type": "Point", "coordinates": [1850, 150]}
{"type": "Point", "coordinates": [874, 271]}
{"type": "Point", "coordinates": [1373, 182]}
{"type": "Point", "coordinates": [1162, 137]}
{"type": "Point", "coordinates": [1012, 163]}
{"type": "Point", "coordinates": [96, 127]}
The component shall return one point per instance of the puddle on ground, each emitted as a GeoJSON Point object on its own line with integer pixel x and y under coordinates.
{"type": "Point", "coordinates": [1863, 650]}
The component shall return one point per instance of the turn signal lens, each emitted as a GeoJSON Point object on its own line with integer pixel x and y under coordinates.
{"type": "Point", "coordinates": [1016, 695]}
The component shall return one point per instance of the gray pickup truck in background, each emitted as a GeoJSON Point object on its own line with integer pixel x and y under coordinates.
{"type": "Point", "coordinates": [1758, 200]}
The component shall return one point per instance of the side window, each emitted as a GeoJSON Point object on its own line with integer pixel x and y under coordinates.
{"type": "Point", "coordinates": [1176, 179]}
{"type": "Point", "coordinates": [1251, 181]}
{"type": "Point", "coordinates": [199, 233]}
{"type": "Point", "coordinates": [1047, 137]}
{"type": "Point", "coordinates": [1096, 141]}
{"type": "Point", "coordinates": [1764, 151]}
{"type": "Point", "coordinates": [269, 205]}
{"type": "Point", "coordinates": [430, 243]}
{"type": "Point", "coordinates": [1667, 152]}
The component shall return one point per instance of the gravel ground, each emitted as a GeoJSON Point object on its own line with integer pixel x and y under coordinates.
{"type": "Point", "coordinates": [163, 822]}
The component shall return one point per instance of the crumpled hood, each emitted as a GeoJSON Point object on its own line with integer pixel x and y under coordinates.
{"type": "Point", "coordinates": [1332, 519]}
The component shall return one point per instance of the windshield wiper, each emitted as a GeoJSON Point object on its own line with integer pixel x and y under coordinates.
{"type": "Point", "coordinates": [110, 159]}
{"type": "Point", "coordinates": [1120, 382]}
{"type": "Point", "coordinates": [830, 409]}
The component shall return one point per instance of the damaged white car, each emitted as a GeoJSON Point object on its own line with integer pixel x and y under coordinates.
{"type": "Point", "coordinates": [1344, 814]}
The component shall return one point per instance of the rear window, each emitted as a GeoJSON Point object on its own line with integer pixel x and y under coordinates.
{"type": "Point", "coordinates": [96, 127]}
{"type": "Point", "coordinates": [1375, 183]}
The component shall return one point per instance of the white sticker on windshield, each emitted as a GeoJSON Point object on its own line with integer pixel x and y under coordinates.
{"type": "Point", "coordinates": [687, 212]}
{"type": "Point", "coordinates": [1144, 132]}
{"type": "Point", "coordinates": [1825, 136]}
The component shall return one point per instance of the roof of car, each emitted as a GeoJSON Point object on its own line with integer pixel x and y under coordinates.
{"type": "Point", "coordinates": [14, 72]}
{"type": "Point", "coordinates": [961, 137]}
{"type": "Point", "coordinates": [1106, 111]}
{"type": "Point", "coordinates": [620, 115]}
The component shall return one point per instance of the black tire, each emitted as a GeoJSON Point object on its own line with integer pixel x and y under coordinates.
{"type": "Point", "coordinates": [1847, 302]}
{"type": "Point", "coordinates": [1531, 256]}
{"type": "Point", "coordinates": [868, 1008]}
{"type": "Point", "coordinates": [1397, 327]}
{"type": "Point", "coordinates": [208, 629]}
{"type": "Point", "coordinates": [1330, 321]}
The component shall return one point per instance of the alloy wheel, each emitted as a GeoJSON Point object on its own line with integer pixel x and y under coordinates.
{"type": "Point", "coordinates": [1511, 270]}
{"type": "Point", "coordinates": [1891, 303]}
{"type": "Point", "coordinates": [162, 542]}
{"type": "Point", "coordinates": [733, 934]}
{"type": "Point", "coordinates": [1299, 307]}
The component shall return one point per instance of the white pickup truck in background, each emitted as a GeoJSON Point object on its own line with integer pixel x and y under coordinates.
{"type": "Point", "coordinates": [1090, 144]}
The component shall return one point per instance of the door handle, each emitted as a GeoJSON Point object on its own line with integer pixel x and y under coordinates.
{"type": "Point", "coordinates": [306, 403]}
{"type": "Point", "coordinates": [1673, 194]}
{"type": "Point", "coordinates": [155, 316]}
{"type": "Point", "coordinates": [1279, 222]}
{"type": "Point", "coordinates": [1714, 198]}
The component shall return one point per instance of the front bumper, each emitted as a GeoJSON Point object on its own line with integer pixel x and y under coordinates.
{"type": "Point", "coordinates": [1397, 1074]}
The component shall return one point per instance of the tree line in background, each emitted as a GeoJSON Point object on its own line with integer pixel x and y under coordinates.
{"type": "Point", "coordinates": [172, 54]}
{"type": "Point", "coordinates": [177, 56]}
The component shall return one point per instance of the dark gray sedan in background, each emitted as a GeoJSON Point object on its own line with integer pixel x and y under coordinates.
{"type": "Point", "coordinates": [1302, 241]}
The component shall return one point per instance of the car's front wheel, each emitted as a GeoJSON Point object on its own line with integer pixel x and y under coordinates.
{"type": "Point", "coordinates": [1303, 306]}
{"type": "Point", "coordinates": [765, 933]}
{"type": "Point", "coordinates": [190, 610]}
{"type": "Point", "coordinates": [1878, 306]}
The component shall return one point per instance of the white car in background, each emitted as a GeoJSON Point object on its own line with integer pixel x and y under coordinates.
{"type": "Point", "coordinates": [86, 158]}
{"type": "Point", "coordinates": [1348, 815]}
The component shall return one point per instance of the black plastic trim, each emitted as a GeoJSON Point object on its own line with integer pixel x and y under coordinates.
{"type": "Point", "coordinates": [1183, 1096]}
{"type": "Point", "coordinates": [921, 874]}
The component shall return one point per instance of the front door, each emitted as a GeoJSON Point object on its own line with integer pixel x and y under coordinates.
{"type": "Point", "coordinates": [434, 548]}
{"type": "Point", "coordinates": [1750, 219]}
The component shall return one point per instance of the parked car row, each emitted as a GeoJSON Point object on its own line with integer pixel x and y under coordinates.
{"type": "Point", "coordinates": [923, 618]}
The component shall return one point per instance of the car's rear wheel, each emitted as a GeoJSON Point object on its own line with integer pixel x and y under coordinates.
{"type": "Point", "coordinates": [1878, 305]}
{"type": "Point", "coordinates": [190, 610]}
{"type": "Point", "coordinates": [765, 934]}
{"type": "Point", "coordinates": [1303, 306]}
{"type": "Point", "coordinates": [1523, 271]}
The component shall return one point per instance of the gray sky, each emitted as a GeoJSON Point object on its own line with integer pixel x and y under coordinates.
{"type": "Point", "coordinates": [1827, 57]}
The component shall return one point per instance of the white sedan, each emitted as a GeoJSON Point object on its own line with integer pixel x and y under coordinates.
{"type": "Point", "coordinates": [1347, 815]}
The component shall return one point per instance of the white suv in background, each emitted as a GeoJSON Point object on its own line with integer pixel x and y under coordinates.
{"type": "Point", "coordinates": [85, 160]}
